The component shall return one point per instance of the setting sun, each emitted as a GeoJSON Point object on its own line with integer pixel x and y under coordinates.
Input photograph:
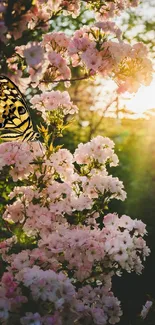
{"type": "Point", "coordinates": [143, 100]}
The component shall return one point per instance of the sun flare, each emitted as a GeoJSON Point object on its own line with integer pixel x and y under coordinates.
{"type": "Point", "coordinates": [143, 100]}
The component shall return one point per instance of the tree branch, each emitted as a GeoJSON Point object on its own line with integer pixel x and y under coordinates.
{"type": "Point", "coordinates": [63, 80]}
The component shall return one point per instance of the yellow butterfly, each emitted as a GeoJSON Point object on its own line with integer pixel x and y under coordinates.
{"type": "Point", "coordinates": [15, 120]}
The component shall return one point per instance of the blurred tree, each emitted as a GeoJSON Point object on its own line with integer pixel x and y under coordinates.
{"type": "Point", "coordinates": [138, 24]}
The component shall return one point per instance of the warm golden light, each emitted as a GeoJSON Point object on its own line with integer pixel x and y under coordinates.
{"type": "Point", "coordinates": [143, 100]}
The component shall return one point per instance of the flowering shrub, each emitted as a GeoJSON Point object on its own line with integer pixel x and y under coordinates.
{"type": "Point", "coordinates": [64, 248]}
{"type": "Point", "coordinates": [96, 49]}
{"type": "Point", "coordinates": [37, 14]}
{"type": "Point", "coordinates": [66, 274]}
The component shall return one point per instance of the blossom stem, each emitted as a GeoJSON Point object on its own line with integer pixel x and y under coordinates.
{"type": "Point", "coordinates": [74, 79]}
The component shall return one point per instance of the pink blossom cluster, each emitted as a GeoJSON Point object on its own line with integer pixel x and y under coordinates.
{"type": "Point", "coordinates": [19, 155]}
{"type": "Point", "coordinates": [56, 41]}
{"type": "Point", "coordinates": [43, 63]}
{"type": "Point", "coordinates": [99, 148]}
{"type": "Point", "coordinates": [40, 13]}
{"type": "Point", "coordinates": [77, 193]}
{"type": "Point", "coordinates": [127, 65]}
{"type": "Point", "coordinates": [62, 209]}
{"type": "Point", "coordinates": [108, 9]}
{"type": "Point", "coordinates": [92, 301]}
{"type": "Point", "coordinates": [119, 245]}
{"type": "Point", "coordinates": [42, 287]}
{"type": "Point", "coordinates": [45, 287]}
{"type": "Point", "coordinates": [53, 101]}
{"type": "Point", "coordinates": [132, 68]}
{"type": "Point", "coordinates": [38, 16]}
{"type": "Point", "coordinates": [78, 189]}
{"type": "Point", "coordinates": [84, 249]}
{"type": "Point", "coordinates": [92, 49]}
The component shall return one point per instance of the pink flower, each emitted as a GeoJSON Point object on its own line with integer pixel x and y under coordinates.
{"type": "Point", "coordinates": [47, 285]}
{"type": "Point", "coordinates": [140, 227]}
{"type": "Point", "coordinates": [92, 58]}
{"type": "Point", "coordinates": [146, 308]}
{"type": "Point", "coordinates": [54, 100]}
{"type": "Point", "coordinates": [58, 62]}
{"type": "Point", "coordinates": [15, 212]}
{"type": "Point", "coordinates": [111, 220]}
{"type": "Point", "coordinates": [55, 41]}
{"type": "Point", "coordinates": [19, 154]}
{"type": "Point", "coordinates": [126, 222]}
{"type": "Point", "coordinates": [109, 27]}
{"type": "Point", "coordinates": [98, 148]}
{"type": "Point", "coordinates": [32, 52]}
